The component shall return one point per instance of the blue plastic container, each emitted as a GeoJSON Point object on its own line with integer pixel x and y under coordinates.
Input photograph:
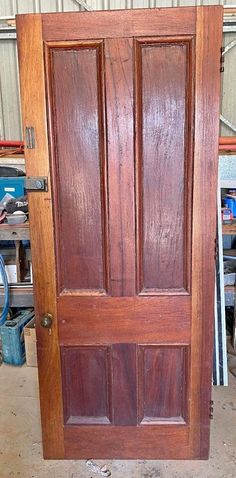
{"type": "Point", "coordinates": [231, 204]}
{"type": "Point", "coordinates": [12, 186]}
{"type": "Point", "coordinates": [13, 345]}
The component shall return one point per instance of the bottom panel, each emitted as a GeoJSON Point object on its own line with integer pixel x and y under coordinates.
{"type": "Point", "coordinates": [85, 384]}
{"type": "Point", "coordinates": [163, 378]}
{"type": "Point", "coordinates": [125, 384]}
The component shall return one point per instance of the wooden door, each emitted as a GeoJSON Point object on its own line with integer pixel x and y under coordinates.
{"type": "Point", "coordinates": [125, 110]}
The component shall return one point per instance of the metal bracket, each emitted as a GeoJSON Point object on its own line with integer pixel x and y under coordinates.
{"type": "Point", "coordinates": [29, 137]}
{"type": "Point", "coordinates": [211, 409]}
{"type": "Point", "coordinates": [36, 184]}
{"type": "Point", "coordinates": [222, 59]}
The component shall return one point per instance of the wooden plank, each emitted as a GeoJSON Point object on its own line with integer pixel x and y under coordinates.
{"type": "Point", "coordinates": [122, 23]}
{"type": "Point", "coordinates": [124, 384]}
{"type": "Point", "coordinates": [104, 320]}
{"type": "Point", "coordinates": [120, 144]}
{"type": "Point", "coordinates": [157, 442]}
{"type": "Point", "coordinates": [30, 48]}
{"type": "Point", "coordinates": [13, 233]}
{"type": "Point", "coordinates": [207, 94]}
{"type": "Point", "coordinates": [19, 296]}
{"type": "Point", "coordinates": [229, 229]}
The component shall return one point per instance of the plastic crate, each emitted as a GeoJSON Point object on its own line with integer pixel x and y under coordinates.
{"type": "Point", "coordinates": [13, 345]}
{"type": "Point", "coordinates": [12, 186]}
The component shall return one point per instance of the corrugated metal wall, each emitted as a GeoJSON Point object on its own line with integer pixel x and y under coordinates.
{"type": "Point", "coordinates": [11, 7]}
{"type": "Point", "coordinates": [10, 127]}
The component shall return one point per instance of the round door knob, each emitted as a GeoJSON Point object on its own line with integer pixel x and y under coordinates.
{"type": "Point", "coordinates": [46, 321]}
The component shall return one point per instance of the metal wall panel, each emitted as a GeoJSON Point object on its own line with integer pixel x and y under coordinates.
{"type": "Point", "coordinates": [9, 89]}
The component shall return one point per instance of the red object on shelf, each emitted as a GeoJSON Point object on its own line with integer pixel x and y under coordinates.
{"type": "Point", "coordinates": [227, 143]}
{"type": "Point", "coordinates": [11, 144]}
{"type": "Point", "coordinates": [11, 147]}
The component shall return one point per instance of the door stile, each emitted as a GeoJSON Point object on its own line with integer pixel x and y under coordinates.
{"type": "Point", "coordinates": [207, 92]}
{"type": "Point", "coordinates": [33, 104]}
{"type": "Point", "coordinates": [120, 152]}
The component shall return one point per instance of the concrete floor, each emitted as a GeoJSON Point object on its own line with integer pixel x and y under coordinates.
{"type": "Point", "coordinates": [20, 438]}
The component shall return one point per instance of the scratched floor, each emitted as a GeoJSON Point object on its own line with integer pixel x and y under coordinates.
{"type": "Point", "coordinates": [20, 438]}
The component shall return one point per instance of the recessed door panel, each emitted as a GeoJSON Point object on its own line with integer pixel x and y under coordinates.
{"type": "Point", "coordinates": [164, 161]}
{"type": "Point", "coordinates": [77, 147]}
{"type": "Point", "coordinates": [85, 376]}
{"type": "Point", "coordinates": [163, 384]}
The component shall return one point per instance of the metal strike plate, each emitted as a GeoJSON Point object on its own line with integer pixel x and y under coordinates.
{"type": "Point", "coordinates": [29, 137]}
{"type": "Point", "coordinates": [36, 184]}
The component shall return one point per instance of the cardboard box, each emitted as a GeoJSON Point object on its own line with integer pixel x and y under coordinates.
{"type": "Point", "coordinates": [30, 344]}
{"type": "Point", "coordinates": [11, 271]}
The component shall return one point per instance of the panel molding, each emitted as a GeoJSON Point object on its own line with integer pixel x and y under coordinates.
{"type": "Point", "coordinates": [86, 379]}
{"type": "Point", "coordinates": [49, 48]}
{"type": "Point", "coordinates": [176, 371]}
{"type": "Point", "coordinates": [139, 43]}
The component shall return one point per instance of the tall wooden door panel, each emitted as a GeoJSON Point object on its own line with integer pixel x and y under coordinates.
{"type": "Point", "coordinates": [125, 113]}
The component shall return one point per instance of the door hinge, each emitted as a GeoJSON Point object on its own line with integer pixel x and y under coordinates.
{"type": "Point", "coordinates": [216, 252]}
{"type": "Point", "coordinates": [36, 183]}
{"type": "Point", "coordinates": [211, 409]}
{"type": "Point", "coordinates": [29, 137]}
{"type": "Point", "coordinates": [222, 59]}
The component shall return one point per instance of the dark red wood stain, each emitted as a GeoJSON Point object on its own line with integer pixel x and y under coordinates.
{"type": "Point", "coordinates": [85, 378]}
{"type": "Point", "coordinates": [125, 220]}
{"type": "Point", "coordinates": [120, 151]}
{"type": "Point", "coordinates": [163, 378]}
{"type": "Point", "coordinates": [162, 87]}
{"type": "Point", "coordinates": [124, 384]}
{"type": "Point", "coordinates": [76, 98]}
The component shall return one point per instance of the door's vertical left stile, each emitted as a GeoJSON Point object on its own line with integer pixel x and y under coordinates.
{"type": "Point", "coordinates": [32, 82]}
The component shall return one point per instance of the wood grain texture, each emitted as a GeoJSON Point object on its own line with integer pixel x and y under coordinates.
{"type": "Point", "coordinates": [33, 108]}
{"type": "Point", "coordinates": [163, 378]}
{"type": "Point", "coordinates": [119, 111]}
{"type": "Point", "coordinates": [163, 208]}
{"type": "Point", "coordinates": [85, 379]}
{"type": "Point", "coordinates": [122, 23]}
{"type": "Point", "coordinates": [154, 442]}
{"type": "Point", "coordinates": [75, 87]}
{"type": "Point", "coordinates": [104, 320]}
{"type": "Point", "coordinates": [111, 328]}
{"type": "Point", "coordinates": [124, 384]}
{"type": "Point", "coordinates": [207, 94]}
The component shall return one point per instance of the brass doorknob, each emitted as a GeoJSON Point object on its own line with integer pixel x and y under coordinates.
{"type": "Point", "coordinates": [46, 321]}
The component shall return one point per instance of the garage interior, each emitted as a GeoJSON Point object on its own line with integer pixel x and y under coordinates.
{"type": "Point", "coordinates": [20, 427]}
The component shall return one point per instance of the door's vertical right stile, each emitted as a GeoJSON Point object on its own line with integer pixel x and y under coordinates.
{"type": "Point", "coordinates": [207, 92]}
{"type": "Point", "coordinates": [32, 82]}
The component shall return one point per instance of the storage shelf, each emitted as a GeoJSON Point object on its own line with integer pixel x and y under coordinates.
{"type": "Point", "coordinates": [229, 229]}
{"type": "Point", "coordinates": [19, 232]}
{"type": "Point", "coordinates": [20, 296]}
